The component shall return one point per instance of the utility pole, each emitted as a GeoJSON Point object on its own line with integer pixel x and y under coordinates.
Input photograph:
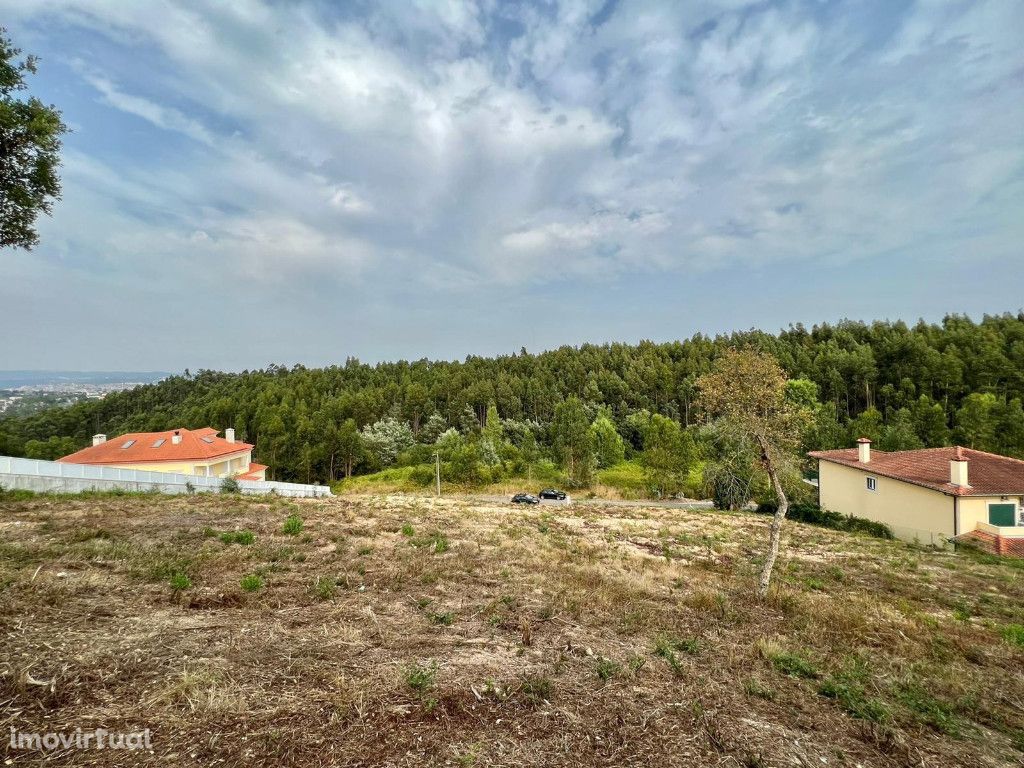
{"type": "Point", "coordinates": [437, 471]}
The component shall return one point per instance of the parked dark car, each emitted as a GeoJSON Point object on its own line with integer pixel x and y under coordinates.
{"type": "Point", "coordinates": [551, 493]}
{"type": "Point", "coordinates": [525, 498]}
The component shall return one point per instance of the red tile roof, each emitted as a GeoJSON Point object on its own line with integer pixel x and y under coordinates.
{"type": "Point", "coordinates": [988, 474]}
{"type": "Point", "coordinates": [253, 472]}
{"type": "Point", "coordinates": [196, 445]}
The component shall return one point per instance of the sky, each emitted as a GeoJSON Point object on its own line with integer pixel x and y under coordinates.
{"type": "Point", "coordinates": [281, 182]}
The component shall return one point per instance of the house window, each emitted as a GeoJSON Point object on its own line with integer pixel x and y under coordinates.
{"type": "Point", "coordinates": [1002, 514]}
{"type": "Point", "coordinates": [872, 483]}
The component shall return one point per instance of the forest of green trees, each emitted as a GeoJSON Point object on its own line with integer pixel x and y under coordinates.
{"type": "Point", "coordinates": [576, 410]}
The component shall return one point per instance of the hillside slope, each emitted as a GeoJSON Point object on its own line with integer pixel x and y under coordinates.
{"type": "Point", "coordinates": [411, 631]}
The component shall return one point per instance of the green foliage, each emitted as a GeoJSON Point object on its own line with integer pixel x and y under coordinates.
{"type": "Point", "coordinates": [230, 485]}
{"type": "Point", "coordinates": [609, 447]}
{"type": "Point", "coordinates": [421, 677]}
{"type": "Point", "coordinates": [292, 526]}
{"type": "Point", "coordinates": [666, 455]}
{"type": "Point", "coordinates": [180, 581]}
{"type": "Point", "coordinates": [323, 588]}
{"type": "Point", "coordinates": [252, 582]}
{"type": "Point", "coordinates": [244, 538]}
{"type": "Point", "coordinates": [1013, 634]}
{"type": "Point", "coordinates": [815, 515]}
{"type": "Point", "coordinates": [793, 665]}
{"type": "Point", "coordinates": [573, 441]}
{"type": "Point", "coordinates": [30, 135]}
{"type": "Point", "coordinates": [306, 423]}
{"type": "Point", "coordinates": [607, 669]}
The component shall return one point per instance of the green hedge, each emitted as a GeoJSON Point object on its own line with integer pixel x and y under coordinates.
{"type": "Point", "coordinates": [815, 515]}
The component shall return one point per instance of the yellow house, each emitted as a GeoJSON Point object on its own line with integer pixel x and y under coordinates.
{"type": "Point", "coordinates": [933, 495]}
{"type": "Point", "coordinates": [188, 451]}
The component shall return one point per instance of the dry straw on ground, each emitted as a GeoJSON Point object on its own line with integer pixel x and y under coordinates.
{"type": "Point", "coordinates": [410, 631]}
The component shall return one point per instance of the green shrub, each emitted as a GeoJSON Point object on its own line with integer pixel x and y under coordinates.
{"type": "Point", "coordinates": [536, 688]}
{"type": "Point", "coordinates": [851, 696]}
{"type": "Point", "coordinates": [1013, 634]}
{"type": "Point", "coordinates": [292, 526]}
{"type": "Point", "coordinates": [814, 515]}
{"type": "Point", "coordinates": [230, 485]}
{"type": "Point", "coordinates": [793, 665]}
{"type": "Point", "coordinates": [408, 530]}
{"type": "Point", "coordinates": [180, 581]}
{"type": "Point", "coordinates": [442, 619]}
{"type": "Point", "coordinates": [606, 668]}
{"type": "Point", "coordinates": [252, 582]}
{"type": "Point", "coordinates": [420, 677]}
{"type": "Point", "coordinates": [323, 588]}
{"type": "Point", "coordinates": [244, 538]}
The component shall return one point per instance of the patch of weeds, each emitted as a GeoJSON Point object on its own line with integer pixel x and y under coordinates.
{"type": "Point", "coordinates": [847, 688]}
{"type": "Point", "coordinates": [209, 533]}
{"type": "Point", "coordinates": [814, 583]}
{"type": "Point", "coordinates": [607, 669]}
{"type": "Point", "coordinates": [537, 688]}
{"type": "Point", "coordinates": [1013, 634]}
{"type": "Point", "coordinates": [754, 687]}
{"type": "Point", "coordinates": [421, 677]}
{"type": "Point", "coordinates": [88, 534]}
{"type": "Point", "coordinates": [442, 619]}
{"type": "Point", "coordinates": [408, 531]}
{"type": "Point", "coordinates": [666, 646]}
{"type": "Point", "coordinates": [468, 758]}
{"type": "Point", "coordinates": [636, 663]}
{"type": "Point", "coordinates": [324, 588]}
{"type": "Point", "coordinates": [962, 611]}
{"type": "Point", "coordinates": [292, 526]}
{"type": "Point", "coordinates": [245, 538]}
{"type": "Point", "coordinates": [363, 551]}
{"type": "Point", "coordinates": [927, 709]}
{"type": "Point", "coordinates": [252, 582]}
{"type": "Point", "coordinates": [788, 663]}
{"type": "Point", "coordinates": [439, 542]}
{"type": "Point", "coordinates": [180, 582]}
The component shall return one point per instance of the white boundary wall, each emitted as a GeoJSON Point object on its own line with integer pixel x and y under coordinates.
{"type": "Point", "coordinates": [42, 476]}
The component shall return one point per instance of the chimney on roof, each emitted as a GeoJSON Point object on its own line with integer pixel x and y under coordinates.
{"type": "Point", "coordinates": [864, 450]}
{"type": "Point", "coordinates": [97, 439]}
{"type": "Point", "coordinates": [229, 434]}
{"type": "Point", "coordinates": [176, 437]}
{"type": "Point", "coordinates": [958, 469]}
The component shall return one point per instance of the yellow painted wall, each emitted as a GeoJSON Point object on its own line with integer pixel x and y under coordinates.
{"type": "Point", "coordinates": [219, 468]}
{"type": "Point", "coordinates": [910, 511]}
{"type": "Point", "coordinates": [974, 509]}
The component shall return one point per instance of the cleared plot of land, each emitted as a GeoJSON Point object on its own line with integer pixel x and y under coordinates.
{"type": "Point", "coordinates": [404, 631]}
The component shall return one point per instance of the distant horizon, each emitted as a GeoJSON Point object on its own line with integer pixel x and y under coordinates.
{"type": "Point", "coordinates": [809, 325]}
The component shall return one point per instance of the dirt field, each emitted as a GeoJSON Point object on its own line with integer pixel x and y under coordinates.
{"type": "Point", "coordinates": [404, 631]}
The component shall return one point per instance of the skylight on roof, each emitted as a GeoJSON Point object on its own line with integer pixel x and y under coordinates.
{"type": "Point", "coordinates": [160, 442]}
{"type": "Point", "coordinates": [128, 444]}
{"type": "Point", "coordinates": [206, 439]}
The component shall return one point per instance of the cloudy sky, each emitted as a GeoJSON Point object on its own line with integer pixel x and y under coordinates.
{"type": "Point", "coordinates": [255, 182]}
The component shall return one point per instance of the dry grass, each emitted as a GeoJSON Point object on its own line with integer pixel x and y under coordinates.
{"type": "Point", "coordinates": [410, 631]}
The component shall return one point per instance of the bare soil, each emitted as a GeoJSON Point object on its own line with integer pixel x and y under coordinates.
{"type": "Point", "coordinates": [405, 631]}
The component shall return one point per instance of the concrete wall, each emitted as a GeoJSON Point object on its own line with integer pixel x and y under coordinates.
{"type": "Point", "coordinates": [42, 476]}
{"type": "Point", "coordinates": [912, 513]}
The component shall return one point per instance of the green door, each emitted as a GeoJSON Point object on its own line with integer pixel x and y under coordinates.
{"type": "Point", "coordinates": [1002, 514]}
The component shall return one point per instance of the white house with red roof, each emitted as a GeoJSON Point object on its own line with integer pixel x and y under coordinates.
{"type": "Point", "coordinates": [930, 495]}
{"type": "Point", "coordinates": [188, 451]}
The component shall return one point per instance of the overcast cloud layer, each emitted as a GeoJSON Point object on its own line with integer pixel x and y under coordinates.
{"type": "Point", "coordinates": [251, 182]}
